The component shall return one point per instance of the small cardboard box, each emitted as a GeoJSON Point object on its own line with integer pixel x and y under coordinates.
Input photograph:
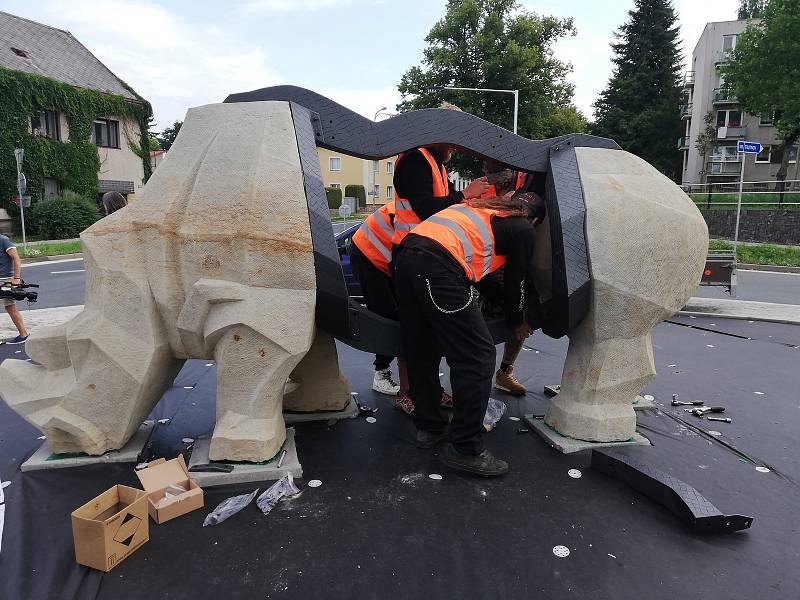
{"type": "Point", "coordinates": [110, 527]}
{"type": "Point", "coordinates": [157, 476]}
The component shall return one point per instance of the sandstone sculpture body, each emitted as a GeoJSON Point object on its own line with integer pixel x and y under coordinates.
{"type": "Point", "coordinates": [214, 260]}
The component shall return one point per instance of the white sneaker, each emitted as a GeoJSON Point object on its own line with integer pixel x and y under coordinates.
{"type": "Point", "coordinates": [384, 384]}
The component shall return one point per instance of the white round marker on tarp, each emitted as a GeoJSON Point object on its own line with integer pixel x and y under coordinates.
{"type": "Point", "coordinates": [648, 397]}
{"type": "Point", "coordinates": [561, 551]}
{"type": "Point", "coordinates": [314, 483]}
{"type": "Point", "coordinates": [714, 433]}
{"type": "Point", "coordinates": [187, 440]}
{"type": "Point", "coordinates": [209, 364]}
{"type": "Point", "coordinates": [574, 473]}
{"type": "Point", "coordinates": [371, 420]}
{"type": "Point", "coordinates": [188, 387]}
{"type": "Point", "coordinates": [513, 418]}
{"type": "Point", "coordinates": [759, 393]}
{"type": "Point", "coordinates": [762, 469]}
{"type": "Point", "coordinates": [709, 345]}
{"type": "Point", "coordinates": [435, 477]}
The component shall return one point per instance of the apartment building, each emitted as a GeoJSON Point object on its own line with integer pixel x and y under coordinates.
{"type": "Point", "coordinates": [340, 170]}
{"type": "Point", "coordinates": [712, 114]}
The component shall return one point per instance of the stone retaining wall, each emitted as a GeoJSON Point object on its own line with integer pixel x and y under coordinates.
{"type": "Point", "coordinates": [771, 226]}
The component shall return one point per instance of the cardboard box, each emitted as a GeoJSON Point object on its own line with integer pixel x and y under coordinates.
{"type": "Point", "coordinates": [157, 476]}
{"type": "Point", "coordinates": [109, 528]}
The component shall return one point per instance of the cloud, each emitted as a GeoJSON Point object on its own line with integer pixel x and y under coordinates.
{"type": "Point", "coordinates": [365, 102]}
{"type": "Point", "coordinates": [290, 5]}
{"type": "Point", "coordinates": [172, 64]}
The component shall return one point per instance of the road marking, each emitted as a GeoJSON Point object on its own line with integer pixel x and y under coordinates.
{"type": "Point", "coordinates": [61, 272]}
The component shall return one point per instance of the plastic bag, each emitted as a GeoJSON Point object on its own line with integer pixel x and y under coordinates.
{"type": "Point", "coordinates": [283, 487]}
{"type": "Point", "coordinates": [494, 412]}
{"type": "Point", "coordinates": [228, 508]}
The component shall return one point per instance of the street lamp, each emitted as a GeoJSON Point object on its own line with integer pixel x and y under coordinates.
{"type": "Point", "coordinates": [515, 92]}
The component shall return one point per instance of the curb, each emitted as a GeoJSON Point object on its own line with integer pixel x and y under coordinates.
{"type": "Point", "coordinates": [38, 259]}
{"type": "Point", "coordinates": [745, 310]}
{"type": "Point", "coordinates": [771, 268]}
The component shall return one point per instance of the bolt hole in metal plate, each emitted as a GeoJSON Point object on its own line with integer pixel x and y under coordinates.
{"type": "Point", "coordinates": [561, 551]}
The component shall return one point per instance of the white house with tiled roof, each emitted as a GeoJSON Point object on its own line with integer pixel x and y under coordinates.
{"type": "Point", "coordinates": [39, 49]}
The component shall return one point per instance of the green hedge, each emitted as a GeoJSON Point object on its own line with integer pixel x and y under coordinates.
{"type": "Point", "coordinates": [63, 217]}
{"type": "Point", "coordinates": [334, 197]}
{"type": "Point", "coordinates": [358, 192]}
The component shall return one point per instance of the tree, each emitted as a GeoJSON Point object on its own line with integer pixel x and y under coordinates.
{"type": "Point", "coordinates": [167, 137]}
{"type": "Point", "coordinates": [762, 72]}
{"type": "Point", "coordinates": [154, 143]}
{"type": "Point", "coordinates": [496, 44]}
{"type": "Point", "coordinates": [639, 106]}
{"type": "Point", "coordinates": [708, 135]}
{"type": "Point", "coordinates": [750, 9]}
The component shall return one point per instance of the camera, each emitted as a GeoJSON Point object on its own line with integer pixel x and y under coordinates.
{"type": "Point", "coordinates": [17, 292]}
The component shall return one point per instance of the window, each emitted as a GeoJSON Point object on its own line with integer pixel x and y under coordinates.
{"type": "Point", "coordinates": [767, 118]}
{"type": "Point", "coordinates": [45, 123]}
{"type": "Point", "coordinates": [792, 154]}
{"type": "Point", "coordinates": [724, 154]}
{"type": "Point", "coordinates": [389, 167]}
{"type": "Point", "coordinates": [389, 192]}
{"type": "Point", "coordinates": [729, 118]}
{"type": "Point", "coordinates": [764, 155]}
{"type": "Point", "coordinates": [52, 187]}
{"type": "Point", "coordinates": [336, 186]}
{"type": "Point", "coordinates": [729, 42]}
{"type": "Point", "coordinates": [106, 133]}
{"type": "Point", "coordinates": [334, 163]}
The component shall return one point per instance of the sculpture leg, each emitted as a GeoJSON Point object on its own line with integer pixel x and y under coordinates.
{"type": "Point", "coordinates": [251, 373]}
{"type": "Point", "coordinates": [95, 384]}
{"type": "Point", "coordinates": [320, 386]}
{"type": "Point", "coordinates": [599, 384]}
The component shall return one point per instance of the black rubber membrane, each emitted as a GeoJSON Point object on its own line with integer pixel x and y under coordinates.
{"type": "Point", "coordinates": [378, 527]}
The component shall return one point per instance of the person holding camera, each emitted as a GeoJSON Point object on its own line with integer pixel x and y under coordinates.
{"type": "Point", "coordinates": [10, 270]}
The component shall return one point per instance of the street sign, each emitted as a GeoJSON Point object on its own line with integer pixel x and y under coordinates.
{"type": "Point", "coordinates": [22, 183]}
{"type": "Point", "coordinates": [19, 153]}
{"type": "Point", "coordinates": [345, 210]}
{"type": "Point", "coordinates": [748, 147]}
{"type": "Point", "coordinates": [26, 202]}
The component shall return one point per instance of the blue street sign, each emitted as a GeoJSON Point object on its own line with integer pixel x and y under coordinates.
{"type": "Point", "coordinates": [748, 147]}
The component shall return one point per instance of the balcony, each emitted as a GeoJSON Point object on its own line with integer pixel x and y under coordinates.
{"type": "Point", "coordinates": [724, 96]}
{"type": "Point", "coordinates": [686, 111]}
{"type": "Point", "coordinates": [721, 57]}
{"type": "Point", "coordinates": [688, 79]}
{"type": "Point", "coordinates": [723, 166]}
{"type": "Point", "coordinates": [683, 143]}
{"type": "Point", "coordinates": [729, 133]}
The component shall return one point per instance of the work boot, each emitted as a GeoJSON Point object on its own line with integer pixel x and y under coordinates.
{"type": "Point", "coordinates": [481, 464]}
{"type": "Point", "coordinates": [384, 384]}
{"type": "Point", "coordinates": [428, 439]}
{"type": "Point", "coordinates": [505, 380]}
{"type": "Point", "coordinates": [403, 402]}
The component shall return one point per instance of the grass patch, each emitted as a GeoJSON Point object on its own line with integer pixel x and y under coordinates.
{"type": "Point", "coordinates": [49, 249]}
{"type": "Point", "coordinates": [761, 254]}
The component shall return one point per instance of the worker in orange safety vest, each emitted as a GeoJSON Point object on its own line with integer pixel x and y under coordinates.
{"type": "Point", "coordinates": [436, 268]}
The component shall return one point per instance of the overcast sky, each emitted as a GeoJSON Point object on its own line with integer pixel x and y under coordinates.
{"type": "Point", "coordinates": [183, 53]}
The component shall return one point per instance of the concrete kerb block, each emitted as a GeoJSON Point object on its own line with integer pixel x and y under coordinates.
{"type": "Point", "coordinates": [569, 445]}
{"type": "Point", "coordinates": [44, 459]}
{"type": "Point", "coordinates": [244, 472]}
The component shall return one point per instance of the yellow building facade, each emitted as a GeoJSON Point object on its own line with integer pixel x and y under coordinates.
{"type": "Point", "coordinates": [340, 170]}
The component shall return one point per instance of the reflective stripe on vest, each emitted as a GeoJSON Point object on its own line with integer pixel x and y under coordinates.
{"type": "Point", "coordinates": [466, 233]}
{"type": "Point", "coordinates": [374, 237]}
{"type": "Point", "coordinates": [405, 218]}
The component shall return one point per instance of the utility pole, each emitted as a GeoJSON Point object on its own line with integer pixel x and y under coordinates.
{"type": "Point", "coordinates": [22, 187]}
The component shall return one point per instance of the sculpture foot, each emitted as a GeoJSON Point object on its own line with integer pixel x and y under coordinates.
{"type": "Point", "coordinates": [591, 422]}
{"type": "Point", "coordinates": [241, 438]}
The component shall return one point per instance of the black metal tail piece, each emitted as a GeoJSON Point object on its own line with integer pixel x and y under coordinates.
{"type": "Point", "coordinates": [677, 496]}
{"type": "Point", "coordinates": [322, 122]}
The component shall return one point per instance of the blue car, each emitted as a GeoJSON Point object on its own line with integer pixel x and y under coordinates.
{"type": "Point", "coordinates": [343, 241]}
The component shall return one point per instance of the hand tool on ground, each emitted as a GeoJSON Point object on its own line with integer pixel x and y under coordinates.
{"type": "Point", "coordinates": [693, 403]}
{"type": "Point", "coordinates": [699, 412]}
{"type": "Point", "coordinates": [720, 419]}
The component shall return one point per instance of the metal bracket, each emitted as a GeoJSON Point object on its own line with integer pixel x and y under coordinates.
{"type": "Point", "coordinates": [316, 125]}
{"type": "Point", "coordinates": [677, 496]}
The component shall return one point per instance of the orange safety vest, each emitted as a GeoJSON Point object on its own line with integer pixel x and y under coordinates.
{"type": "Point", "coordinates": [466, 233]}
{"type": "Point", "coordinates": [405, 218]}
{"type": "Point", "coordinates": [374, 237]}
{"type": "Point", "coordinates": [490, 193]}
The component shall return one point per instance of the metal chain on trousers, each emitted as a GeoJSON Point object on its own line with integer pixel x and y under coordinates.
{"type": "Point", "coordinates": [470, 299]}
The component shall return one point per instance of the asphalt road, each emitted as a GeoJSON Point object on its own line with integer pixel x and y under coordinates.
{"type": "Point", "coordinates": [62, 284]}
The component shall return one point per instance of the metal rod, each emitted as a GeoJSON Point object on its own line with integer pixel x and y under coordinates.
{"type": "Point", "coordinates": [742, 156]}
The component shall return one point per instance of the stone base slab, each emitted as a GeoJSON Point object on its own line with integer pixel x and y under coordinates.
{"type": "Point", "coordinates": [348, 412]}
{"type": "Point", "coordinates": [569, 445]}
{"type": "Point", "coordinates": [245, 472]}
{"type": "Point", "coordinates": [44, 458]}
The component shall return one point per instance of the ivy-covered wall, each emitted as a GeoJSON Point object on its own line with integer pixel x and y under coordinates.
{"type": "Point", "coordinates": [74, 162]}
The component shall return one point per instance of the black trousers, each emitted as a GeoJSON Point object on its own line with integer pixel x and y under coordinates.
{"type": "Point", "coordinates": [462, 337]}
{"type": "Point", "coordinates": [379, 294]}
